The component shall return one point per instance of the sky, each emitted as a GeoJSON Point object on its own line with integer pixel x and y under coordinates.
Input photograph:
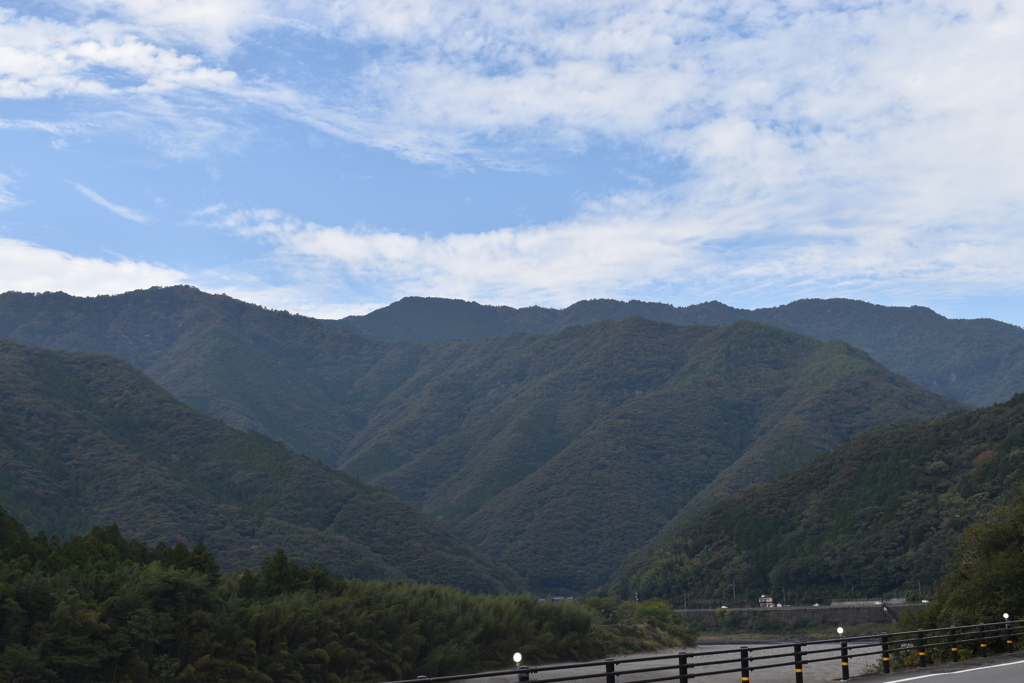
{"type": "Point", "coordinates": [331, 157]}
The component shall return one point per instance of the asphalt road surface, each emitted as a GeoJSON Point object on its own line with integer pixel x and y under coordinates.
{"type": "Point", "coordinates": [1003, 669]}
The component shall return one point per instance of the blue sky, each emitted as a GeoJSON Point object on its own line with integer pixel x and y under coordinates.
{"type": "Point", "coordinates": [331, 157]}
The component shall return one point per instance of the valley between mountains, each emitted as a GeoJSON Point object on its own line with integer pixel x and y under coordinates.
{"type": "Point", "coordinates": [558, 462]}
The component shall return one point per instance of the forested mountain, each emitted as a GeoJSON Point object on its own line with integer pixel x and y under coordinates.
{"type": "Point", "coordinates": [560, 453]}
{"type": "Point", "coordinates": [86, 439]}
{"type": "Point", "coordinates": [879, 513]}
{"type": "Point", "coordinates": [713, 408]}
{"type": "Point", "coordinates": [281, 374]}
{"type": "Point", "coordinates": [978, 362]}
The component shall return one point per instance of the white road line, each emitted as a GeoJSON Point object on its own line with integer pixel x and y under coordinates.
{"type": "Point", "coordinates": [953, 673]}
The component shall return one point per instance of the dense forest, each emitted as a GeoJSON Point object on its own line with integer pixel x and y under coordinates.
{"type": "Point", "coordinates": [86, 439]}
{"type": "Point", "coordinates": [102, 608]}
{"type": "Point", "coordinates": [560, 454]}
{"type": "Point", "coordinates": [742, 404]}
{"type": "Point", "coordinates": [882, 512]}
{"type": "Point", "coordinates": [979, 362]}
{"type": "Point", "coordinates": [986, 578]}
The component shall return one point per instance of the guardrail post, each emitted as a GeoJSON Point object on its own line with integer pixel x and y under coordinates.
{"type": "Point", "coordinates": [798, 663]}
{"type": "Point", "coordinates": [953, 645]}
{"type": "Point", "coordinates": [922, 656]}
{"type": "Point", "coordinates": [984, 645]}
{"type": "Point", "coordinates": [609, 668]}
{"type": "Point", "coordinates": [524, 675]}
{"type": "Point", "coordinates": [844, 653]}
{"type": "Point", "coordinates": [1009, 634]}
{"type": "Point", "coordinates": [683, 668]}
{"type": "Point", "coordinates": [885, 654]}
{"type": "Point", "coordinates": [744, 665]}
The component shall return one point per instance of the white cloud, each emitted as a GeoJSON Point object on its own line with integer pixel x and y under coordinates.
{"type": "Point", "coordinates": [122, 211]}
{"type": "Point", "coordinates": [296, 299]}
{"type": "Point", "coordinates": [458, 78]}
{"type": "Point", "coordinates": [42, 58]}
{"type": "Point", "coordinates": [26, 267]}
{"type": "Point", "coordinates": [213, 25]}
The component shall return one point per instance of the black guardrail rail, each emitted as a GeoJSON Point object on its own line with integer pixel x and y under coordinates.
{"type": "Point", "coordinates": [941, 644]}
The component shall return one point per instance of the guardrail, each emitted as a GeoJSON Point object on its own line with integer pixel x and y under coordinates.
{"type": "Point", "coordinates": [940, 644]}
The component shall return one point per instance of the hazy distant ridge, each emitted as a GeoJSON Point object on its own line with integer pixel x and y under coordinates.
{"type": "Point", "coordinates": [979, 362]}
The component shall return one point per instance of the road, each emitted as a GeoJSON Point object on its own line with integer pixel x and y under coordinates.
{"type": "Point", "coordinates": [1002, 669]}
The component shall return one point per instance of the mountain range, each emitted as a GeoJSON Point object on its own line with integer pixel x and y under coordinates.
{"type": "Point", "coordinates": [979, 362]}
{"type": "Point", "coordinates": [559, 454]}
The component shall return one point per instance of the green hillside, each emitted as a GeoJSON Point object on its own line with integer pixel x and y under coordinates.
{"type": "Point", "coordinates": [882, 512]}
{"type": "Point", "coordinates": [727, 407]}
{"type": "Point", "coordinates": [281, 374]}
{"type": "Point", "coordinates": [979, 362]}
{"type": "Point", "coordinates": [986, 578]}
{"type": "Point", "coordinates": [86, 439]}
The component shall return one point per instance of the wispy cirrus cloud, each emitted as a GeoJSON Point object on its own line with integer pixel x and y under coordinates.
{"type": "Point", "coordinates": [30, 124]}
{"type": "Point", "coordinates": [7, 198]}
{"type": "Point", "coordinates": [636, 242]}
{"type": "Point", "coordinates": [122, 211]}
